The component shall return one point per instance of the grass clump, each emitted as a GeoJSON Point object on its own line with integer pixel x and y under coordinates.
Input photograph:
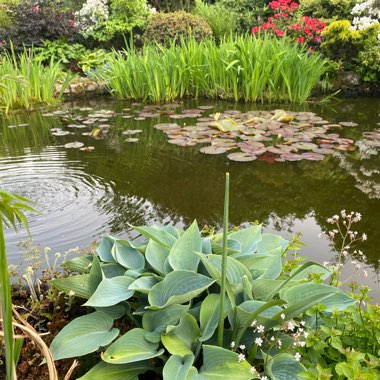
{"type": "Point", "coordinates": [25, 81]}
{"type": "Point", "coordinates": [240, 68]}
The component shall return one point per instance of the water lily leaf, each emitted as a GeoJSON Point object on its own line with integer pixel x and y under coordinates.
{"type": "Point", "coordinates": [131, 347]}
{"type": "Point", "coordinates": [178, 287]}
{"type": "Point", "coordinates": [348, 124]}
{"type": "Point", "coordinates": [129, 371]}
{"type": "Point", "coordinates": [132, 131]}
{"type": "Point", "coordinates": [74, 145]}
{"type": "Point", "coordinates": [284, 366]}
{"type": "Point", "coordinates": [83, 335]}
{"type": "Point", "coordinates": [291, 157]}
{"type": "Point", "coordinates": [241, 157]}
{"type": "Point", "coordinates": [313, 156]}
{"type": "Point", "coordinates": [305, 146]}
{"type": "Point", "coordinates": [213, 150]}
{"type": "Point", "coordinates": [111, 291]}
{"type": "Point", "coordinates": [61, 133]}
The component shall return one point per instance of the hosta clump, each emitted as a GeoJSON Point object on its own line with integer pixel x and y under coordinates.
{"type": "Point", "coordinates": [169, 286]}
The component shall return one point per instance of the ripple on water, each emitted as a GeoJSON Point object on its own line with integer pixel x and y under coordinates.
{"type": "Point", "coordinates": [64, 193]}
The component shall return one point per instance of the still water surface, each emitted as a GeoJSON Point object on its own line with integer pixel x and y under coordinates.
{"type": "Point", "coordinates": [82, 195]}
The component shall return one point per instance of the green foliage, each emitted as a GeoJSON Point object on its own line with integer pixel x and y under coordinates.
{"type": "Point", "coordinates": [60, 50]}
{"type": "Point", "coordinates": [222, 21]}
{"type": "Point", "coordinates": [6, 13]}
{"type": "Point", "coordinates": [171, 285]}
{"type": "Point", "coordinates": [125, 15]}
{"type": "Point", "coordinates": [172, 5]}
{"type": "Point", "coordinates": [12, 208]}
{"type": "Point", "coordinates": [328, 9]}
{"type": "Point", "coordinates": [25, 81]}
{"type": "Point", "coordinates": [164, 27]}
{"type": "Point", "coordinates": [250, 12]}
{"type": "Point", "coordinates": [347, 344]}
{"type": "Point", "coordinates": [92, 59]}
{"type": "Point", "coordinates": [240, 68]}
{"type": "Point", "coordinates": [355, 49]}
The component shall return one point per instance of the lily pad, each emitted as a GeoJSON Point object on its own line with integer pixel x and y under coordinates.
{"type": "Point", "coordinates": [61, 133]}
{"type": "Point", "coordinates": [213, 150]}
{"type": "Point", "coordinates": [131, 140]}
{"type": "Point", "coordinates": [313, 156]}
{"type": "Point", "coordinates": [87, 148]}
{"type": "Point", "coordinates": [348, 124]}
{"type": "Point", "coordinates": [132, 131]}
{"type": "Point", "coordinates": [74, 145]}
{"type": "Point", "coordinates": [241, 157]}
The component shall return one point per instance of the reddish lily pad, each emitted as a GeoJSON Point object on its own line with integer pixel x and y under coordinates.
{"type": "Point", "coordinates": [241, 157]}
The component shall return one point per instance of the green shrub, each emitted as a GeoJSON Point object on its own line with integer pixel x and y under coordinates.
{"type": "Point", "coordinates": [172, 5]}
{"type": "Point", "coordinates": [6, 13]}
{"type": "Point", "coordinates": [328, 9]}
{"type": "Point", "coordinates": [163, 27]}
{"type": "Point", "coordinates": [222, 21]}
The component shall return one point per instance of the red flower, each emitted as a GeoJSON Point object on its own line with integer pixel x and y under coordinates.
{"type": "Point", "coordinates": [270, 19]}
{"type": "Point", "coordinates": [278, 32]}
{"type": "Point", "coordinates": [71, 22]}
{"type": "Point", "coordinates": [35, 8]}
{"type": "Point", "coordinates": [255, 30]}
{"type": "Point", "coordinates": [300, 39]}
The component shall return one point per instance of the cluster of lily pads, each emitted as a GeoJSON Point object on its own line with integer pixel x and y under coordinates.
{"type": "Point", "coordinates": [276, 135]}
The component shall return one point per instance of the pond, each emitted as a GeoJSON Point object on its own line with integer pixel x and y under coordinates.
{"type": "Point", "coordinates": [83, 194]}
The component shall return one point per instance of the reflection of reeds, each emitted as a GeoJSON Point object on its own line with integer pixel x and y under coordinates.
{"type": "Point", "coordinates": [245, 68]}
{"type": "Point", "coordinates": [25, 81]}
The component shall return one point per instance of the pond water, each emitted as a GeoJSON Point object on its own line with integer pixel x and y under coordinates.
{"type": "Point", "coordinates": [83, 194]}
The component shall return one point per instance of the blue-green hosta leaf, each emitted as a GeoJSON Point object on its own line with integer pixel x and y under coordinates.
{"type": "Point", "coordinates": [111, 291]}
{"type": "Point", "coordinates": [156, 255]}
{"type": "Point", "coordinates": [233, 247]}
{"type": "Point", "coordinates": [266, 265]}
{"type": "Point", "coordinates": [158, 234]}
{"type": "Point", "coordinates": [219, 363]}
{"type": "Point", "coordinates": [83, 335]}
{"type": "Point", "coordinates": [144, 284]}
{"type": "Point", "coordinates": [111, 270]}
{"type": "Point", "coordinates": [178, 367]}
{"type": "Point", "coordinates": [209, 315]}
{"type": "Point", "coordinates": [115, 311]}
{"type": "Point", "coordinates": [81, 264]}
{"type": "Point", "coordinates": [182, 254]}
{"type": "Point", "coordinates": [331, 296]}
{"type": "Point", "coordinates": [235, 270]}
{"type": "Point", "coordinates": [178, 287]}
{"type": "Point", "coordinates": [96, 275]}
{"type": "Point", "coordinates": [104, 249]}
{"type": "Point", "coordinates": [263, 288]}
{"type": "Point", "coordinates": [206, 246]}
{"type": "Point", "coordinates": [270, 242]}
{"type": "Point", "coordinates": [176, 232]}
{"type": "Point", "coordinates": [128, 257]}
{"type": "Point", "coordinates": [156, 321]}
{"type": "Point", "coordinates": [80, 285]}
{"type": "Point", "coordinates": [131, 347]}
{"type": "Point", "coordinates": [108, 371]}
{"type": "Point", "coordinates": [284, 367]}
{"type": "Point", "coordinates": [248, 239]}
{"type": "Point", "coordinates": [181, 338]}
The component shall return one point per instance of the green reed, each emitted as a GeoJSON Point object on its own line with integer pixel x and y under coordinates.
{"type": "Point", "coordinates": [26, 81]}
{"type": "Point", "coordinates": [249, 68]}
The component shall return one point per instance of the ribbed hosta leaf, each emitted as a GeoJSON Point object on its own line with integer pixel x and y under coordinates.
{"type": "Point", "coordinates": [248, 238]}
{"type": "Point", "coordinates": [128, 257]}
{"type": "Point", "coordinates": [80, 285]}
{"type": "Point", "coordinates": [178, 367]}
{"type": "Point", "coordinates": [144, 284]}
{"type": "Point", "coordinates": [182, 255]}
{"type": "Point", "coordinates": [284, 367]}
{"type": "Point", "coordinates": [156, 321]}
{"type": "Point", "coordinates": [108, 371]}
{"type": "Point", "coordinates": [104, 249]}
{"type": "Point", "coordinates": [157, 234]}
{"type": "Point", "coordinates": [131, 347]}
{"type": "Point", "coordinates": [83, 335]}
{"type": "Point", "coordinates": [111, 291]}
{"type": "Point", "coordinates": [178, 287]}
{"type": "Point", "coordinates": [156, 255]}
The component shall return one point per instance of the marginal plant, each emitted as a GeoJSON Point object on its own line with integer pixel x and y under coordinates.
{"type": "Point", "coordinates": [12, 209]}
{"type": "Point", "coordinates": [248, 68]}
{"type": "Point", "coordinates": [201, 304]}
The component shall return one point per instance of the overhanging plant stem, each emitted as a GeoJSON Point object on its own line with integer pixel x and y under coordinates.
{"type": "Point", "coordinates": [224, 261]}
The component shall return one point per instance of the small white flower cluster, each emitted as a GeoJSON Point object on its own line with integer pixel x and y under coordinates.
{"type": "Point", "coordinates": [366, 13]}
{"type": "Point", "coordinates": [91, 16]}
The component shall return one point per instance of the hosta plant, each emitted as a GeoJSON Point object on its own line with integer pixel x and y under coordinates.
{"type": "Point", "coordinates": [170, 287]}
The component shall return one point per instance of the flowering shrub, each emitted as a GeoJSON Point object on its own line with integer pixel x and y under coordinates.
{"type": "Point", "coordinates": [365, 13]}
{"type": "Point", "coordinates": [285, 21]}
{"type": "Point", "coordinates": [328, 9]}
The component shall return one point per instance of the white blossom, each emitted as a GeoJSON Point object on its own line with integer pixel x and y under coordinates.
{"type": "Point", "coordinates": [260, 329]}
{"type": "Point", "coordinates": [241, 358]}
{"type": "Point", "coordinates": [259, 341]}
{"type": "Point", "coordinates": [297, 356]}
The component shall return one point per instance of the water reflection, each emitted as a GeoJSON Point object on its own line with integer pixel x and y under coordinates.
{"type": "Point", "coordinates": [84, 194]}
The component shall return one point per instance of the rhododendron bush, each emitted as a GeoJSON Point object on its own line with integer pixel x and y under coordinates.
{"type": "Point", "coordinates": [286, 21]}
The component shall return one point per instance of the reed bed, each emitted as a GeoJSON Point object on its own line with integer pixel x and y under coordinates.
{"type": "Point", "coordinates": [25, 81]}
{"type": "Point", "coordinates": [249, 68]}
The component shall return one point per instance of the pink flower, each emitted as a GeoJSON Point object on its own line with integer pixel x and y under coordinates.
{"type": "Point", "coordinates": [300, 39]}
